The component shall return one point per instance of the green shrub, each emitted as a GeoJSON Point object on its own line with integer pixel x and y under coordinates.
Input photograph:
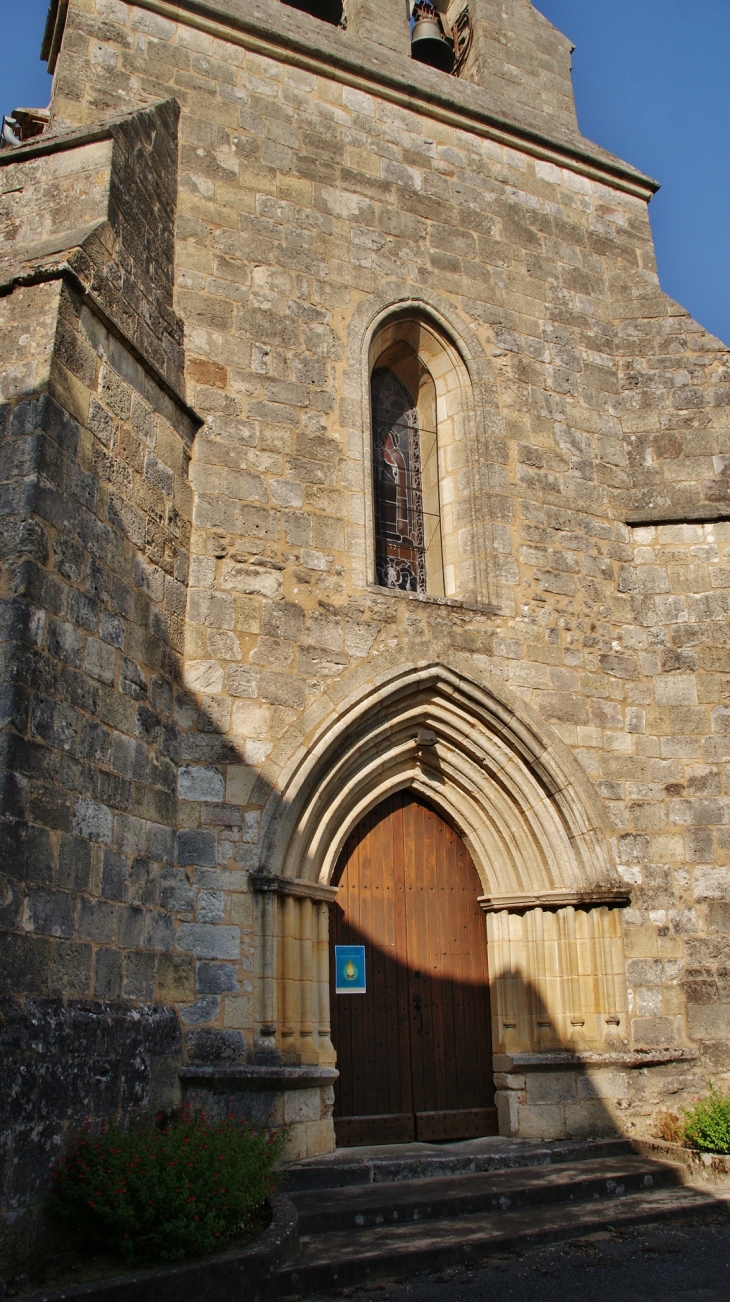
{"type": "Point", "coordinates": [151, 1191]}
{"type": "Point", "coordinates": [707, 1124]}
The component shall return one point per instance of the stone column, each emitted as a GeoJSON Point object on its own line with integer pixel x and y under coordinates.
{"type": "Point", "coordinates": [326, 1051]}
{"type": "Point", "coordinates": [292, 1011]}
{"type": "Point", "coordinates": [307, 1051]}
{"type": "Point", "coordinates": [290, 982]}
{"type": "Point", "coordinates": [559, 1009]}
{"type": "Point", "coordinates": [265, 1031]}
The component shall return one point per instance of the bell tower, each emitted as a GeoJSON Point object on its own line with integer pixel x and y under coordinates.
{"type": "Point", "coordinates": [514, 53]}
{"type": "Point", "coordinates": [509, 48]}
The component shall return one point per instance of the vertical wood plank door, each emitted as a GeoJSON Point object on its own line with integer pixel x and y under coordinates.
{"type": "Point", "coordinates": [414, 1051]}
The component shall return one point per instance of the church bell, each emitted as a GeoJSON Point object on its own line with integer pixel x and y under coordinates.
{"type": "Point", "coordinates": [428, 43]}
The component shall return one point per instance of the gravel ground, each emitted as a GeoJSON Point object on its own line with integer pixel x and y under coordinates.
{"type": "Point", "coordinates": [685, 1262]}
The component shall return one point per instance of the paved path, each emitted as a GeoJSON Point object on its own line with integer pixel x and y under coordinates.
{"type": "Point", "coordinates": [689, 1262]}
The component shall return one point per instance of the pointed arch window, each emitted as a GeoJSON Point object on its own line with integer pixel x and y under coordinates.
{"type": "Point", "coordinates": [406, 474]}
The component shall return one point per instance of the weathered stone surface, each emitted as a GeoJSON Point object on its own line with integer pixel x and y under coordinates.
{"type": "Point", "coordinates": [207, 941]}
{"type": "Point", "coordinates": [193, 644]}
{"type": "Point", "coordinates": [66, 1061]}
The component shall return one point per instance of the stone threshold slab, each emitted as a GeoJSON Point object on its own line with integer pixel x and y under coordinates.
{"type": "Point", "coordinates": [376, 1163]}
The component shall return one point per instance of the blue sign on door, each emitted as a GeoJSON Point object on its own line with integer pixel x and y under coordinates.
{"type": "Point", "coordinates": [350, 969]}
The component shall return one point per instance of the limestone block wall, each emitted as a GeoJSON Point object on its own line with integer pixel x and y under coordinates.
{"type": "Point", "coordinates": [310, 209]}
{"type": "Point", "coordinates": [200, 607]}
{"type": "Point", "coordinates": [383, 24]}
{"type": "Point", "coordinates": [27, 331]}
{"type": "Point", "coordinates": [664, 785]}
{"type": "Point", "coordinates": [305, 1111]}
{"type": "Point", "coordinates": [96, 505]}
{"type": "Point", "coordinates": [518, 53]}
{"type": "Point", "coordinates": [673, 797]}
{"type": "Point", "coordinates": [64, 196]}
{"type": "Point", "coordinates": [92, 626]}
{"type": "Point", "coordinates": [102, 201]}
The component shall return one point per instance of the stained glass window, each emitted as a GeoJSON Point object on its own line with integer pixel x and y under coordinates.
{"type": "Point", "coordinates": [400, 552]}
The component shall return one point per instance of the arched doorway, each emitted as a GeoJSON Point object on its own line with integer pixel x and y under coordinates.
{"type": "Point", "coordinates": [414, 1050]}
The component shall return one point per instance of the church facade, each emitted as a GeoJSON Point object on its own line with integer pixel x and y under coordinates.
{"type": "Point", "coordinates": [366, 549]}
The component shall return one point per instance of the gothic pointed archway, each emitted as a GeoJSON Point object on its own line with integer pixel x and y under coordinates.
{"type": "Point", "coordinates": [527, 816]}
{"type": "Point", "coordinates": [522, 804]}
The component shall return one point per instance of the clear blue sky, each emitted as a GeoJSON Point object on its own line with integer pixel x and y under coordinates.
{"type": "Point", "coordinates": [652, 81]}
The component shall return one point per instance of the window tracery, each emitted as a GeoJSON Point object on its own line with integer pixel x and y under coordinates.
{"type": "Point", "coordinates": [427, 534]}
{"type": "Point", "coordinates": [400, 553]}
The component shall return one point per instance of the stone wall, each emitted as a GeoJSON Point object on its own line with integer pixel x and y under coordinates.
{"type": "Point", "coordinates": [519, 55]}
{"type": "Point", "coordinates": [65, 1061]}
{"type": "Point", "coordinates": [308, 208]}
{"type": "Point", "coordinates": [673, 799]}
{"type": "Point", "coordinates": [329, 191]}
{"type": "Point", "coordinates": [94, 541]}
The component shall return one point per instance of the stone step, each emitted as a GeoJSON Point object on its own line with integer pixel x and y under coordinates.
{"type": "Point", "coordinates": [361, 1207]}
{"type": "Point", "coordinates": [341, 1259]}
{"type": "Point", "coordinates": [395, 1162]}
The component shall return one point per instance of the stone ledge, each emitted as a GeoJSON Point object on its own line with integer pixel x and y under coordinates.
{"type": "Point", "coordinates": [238, 1273]}
{"type": "Point", "coordinates": [604, 897]}
{"type": "Point", "coordinates": [258, 1078]}
{"type": "Point", "coordinates": [25, 274]}
{"type": "Point", "coordinates": [263, 882]}
{"type": "Point", "coordinates": [333, 54]}
{"type": "Point", "coordinates": [429, 599]}
{"type": "Point", "coordinates": [508, 1062]}
{"type": "Point", "coordinates": [698, 514]}
{"type": "Point", "coordinates": [56, 143]}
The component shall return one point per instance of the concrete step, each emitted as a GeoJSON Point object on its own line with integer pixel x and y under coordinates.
{"type": "Point", "coordinates": [341, 1259]}
{"type": "Point", "coordinates": [361, 1207]}
{"type": "Point", "coordinates": [395, 1162]}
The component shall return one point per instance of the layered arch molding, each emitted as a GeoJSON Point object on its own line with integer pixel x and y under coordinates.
{"type": "Point", "coordinates": [527, 814]}
{"type": "Point", "coordinates": [522, 805]}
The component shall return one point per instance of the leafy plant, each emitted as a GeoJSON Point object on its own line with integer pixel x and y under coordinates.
{"type": "Point", "coordinates": [707, 1124]}
{"type": "Point", "coordinates": [161, 1191]}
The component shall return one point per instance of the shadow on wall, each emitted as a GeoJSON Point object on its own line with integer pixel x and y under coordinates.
{"type": "Point", "coordinates": [124, 940]}
{"type": "Point", "coordinates": [94, 876]}
{"type": "Point", "coordinates": [416, 1063]}
{"type": "Point", "coordinates": [415, 1049]}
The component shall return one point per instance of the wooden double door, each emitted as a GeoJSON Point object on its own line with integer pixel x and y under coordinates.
{"type": "Point", "coordinates": [413, 1051]}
